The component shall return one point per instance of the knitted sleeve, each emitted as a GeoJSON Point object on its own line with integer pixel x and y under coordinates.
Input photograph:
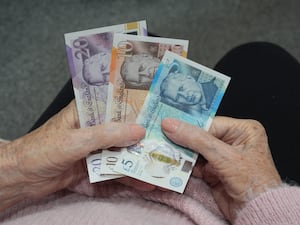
{"type": "Point", "coordinates": [276, 206]}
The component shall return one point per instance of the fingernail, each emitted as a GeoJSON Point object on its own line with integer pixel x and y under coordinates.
{"type": "Point", "coordinates": [171, 125]}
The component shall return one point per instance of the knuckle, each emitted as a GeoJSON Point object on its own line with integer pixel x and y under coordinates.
{"type": "Point", "coordinates": [256, 126]}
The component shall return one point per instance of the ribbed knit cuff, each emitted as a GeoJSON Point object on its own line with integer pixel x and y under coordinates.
{"type": "Point", "coordinates": [277, 206]}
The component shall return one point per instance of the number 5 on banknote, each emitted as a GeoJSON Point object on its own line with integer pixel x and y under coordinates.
{"type": "Point", "coordinates": [184, 90]}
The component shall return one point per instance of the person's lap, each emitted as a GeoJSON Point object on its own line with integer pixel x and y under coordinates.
{"type": "Point", "coordinates": [263, 87]}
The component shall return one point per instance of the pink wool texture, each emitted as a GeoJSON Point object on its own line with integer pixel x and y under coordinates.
{"type": "Point", "coordinates": [279, 206]}
{"type": "Point", "coordinates": [114, 203]}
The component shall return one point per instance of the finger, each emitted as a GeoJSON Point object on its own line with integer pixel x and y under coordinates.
{"type": "Point", "coordinates": [236, 131]}
{"type": "Point", "coordinates": [221, 125]}
{"type": "Point", "coordinates": [105, 136]}
{"type": "Point", "coordinates": [109, 134]}
{"type": "Point", "coordinates": [209, 175]}
{"type": "Point", "coordinates": [195, 138]}
{"type": "Point", "coordinates": [198, 168]}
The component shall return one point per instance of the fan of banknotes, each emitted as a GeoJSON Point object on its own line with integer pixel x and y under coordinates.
{"type": "Point", "coordinates": [120, 74]}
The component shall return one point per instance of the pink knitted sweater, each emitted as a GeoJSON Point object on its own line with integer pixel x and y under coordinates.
{"type": "Point", "coordinates": [116, 204]}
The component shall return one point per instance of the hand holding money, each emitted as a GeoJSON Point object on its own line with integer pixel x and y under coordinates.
{"type": "Point", "coordinates": [128, 78]}
{"type": "Point", "coordinates": [52, 156]}
{"type": "Point", "coordinates": [237, 152]}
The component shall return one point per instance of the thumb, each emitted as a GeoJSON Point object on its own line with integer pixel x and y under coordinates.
{"type": "Point", "coordinates": [78, 142]}
{"type": "Point", "coordinates": [195, 138]}
{"type": "Point", "coordinates": [86, 140]}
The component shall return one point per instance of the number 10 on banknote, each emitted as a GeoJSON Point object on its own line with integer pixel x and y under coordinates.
{"type": "Point", "coordinates": [184, 90]}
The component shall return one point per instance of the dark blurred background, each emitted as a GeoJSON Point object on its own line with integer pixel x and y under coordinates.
{"type": "Point", "coordinates": [32, 51]}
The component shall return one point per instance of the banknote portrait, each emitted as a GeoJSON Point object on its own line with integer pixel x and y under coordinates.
{"type": "Point", "coordinates": [185, 91]}
{"type": "Point", "coordinates": [95, 53]}
{"type": "Point", "coordinates": [96, 69]}
{"type": "Point", "coordinates": [138, 71]}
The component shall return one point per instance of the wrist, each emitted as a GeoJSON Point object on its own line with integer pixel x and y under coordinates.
{"type": "Point", "coordinates": [12, 183]}
{"type": "Point", "coordinates": [269, 182]}
{"type": "Point", "coordinates": [257, 188]}
{"type": "Point", "coordinates": [277, 206]}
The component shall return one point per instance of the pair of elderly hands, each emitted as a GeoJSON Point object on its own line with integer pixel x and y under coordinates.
{"type": "Point", "coordinates": [238, 165]}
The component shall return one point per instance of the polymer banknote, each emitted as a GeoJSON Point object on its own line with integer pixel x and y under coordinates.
{"type": "Point", "coordinates": [184, 90]}
{"type": "Point", "coordinates": [135, 60]}
{"type": "Point", "coordinates": [89, 56]}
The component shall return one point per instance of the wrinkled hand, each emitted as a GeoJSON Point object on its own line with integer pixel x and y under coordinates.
{"type": "Point", "coordinates": [239, 164]}
{"type": "Point", "coordinates": [52, 157]}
